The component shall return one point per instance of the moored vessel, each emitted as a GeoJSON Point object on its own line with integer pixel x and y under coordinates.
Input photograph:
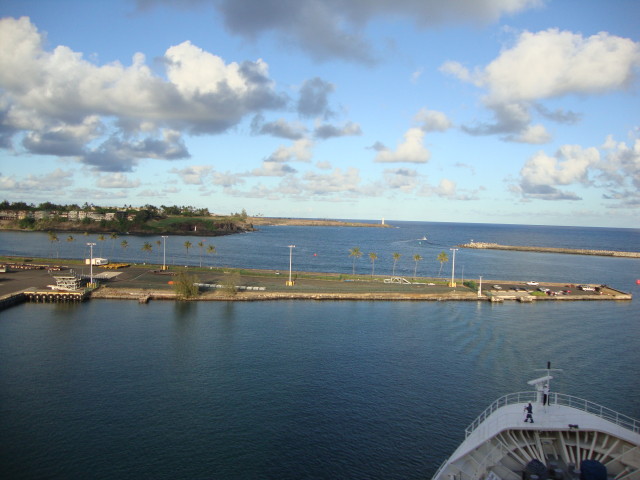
{"type": "Point", "coordinates": [539, 434]}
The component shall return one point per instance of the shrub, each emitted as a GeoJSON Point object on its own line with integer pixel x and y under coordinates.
{"type": "Point", "coordinates": [230, 282]}
{"type": "Point", "coordinates": [470, 284]}
{"type": "Point", "coordinates": [184, 285]}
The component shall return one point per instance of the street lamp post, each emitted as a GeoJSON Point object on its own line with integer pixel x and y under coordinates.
{"type": "Point", "coordinates": [290, 282]}
{"type": "Point", "coordinates": [164, 252]}
{"type": "Point", "coordinates": [453, 267]}
{"type": "Point", "coordinates": [91, 245]}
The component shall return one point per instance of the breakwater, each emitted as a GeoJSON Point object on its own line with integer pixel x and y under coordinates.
{"type": "Point", "coordinates": [571, 251]}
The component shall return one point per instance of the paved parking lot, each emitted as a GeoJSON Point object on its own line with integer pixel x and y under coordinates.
{"type": "Point", "coordinates": [550, 289]}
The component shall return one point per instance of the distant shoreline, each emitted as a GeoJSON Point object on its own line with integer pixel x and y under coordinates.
{"type": "Point", "coordinates": [311, 222]}
{"type": "Point", "coordinates": [571, 251]}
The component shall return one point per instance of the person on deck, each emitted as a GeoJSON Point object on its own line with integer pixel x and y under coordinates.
{"type": "Point", "coordinates": [529, 410]}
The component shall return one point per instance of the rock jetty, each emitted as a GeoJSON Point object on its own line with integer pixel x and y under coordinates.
{"type": "Point", "coordinates": [572, 251]}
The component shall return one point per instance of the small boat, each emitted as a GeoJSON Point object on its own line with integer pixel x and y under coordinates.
{"type": "Point", "coordinates": [538, 435]}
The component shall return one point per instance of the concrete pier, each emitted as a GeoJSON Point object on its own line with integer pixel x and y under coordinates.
{"type": "Point", "coordinates": [571, 251]}
{"type": "Point", "coordinates": [54, 296]}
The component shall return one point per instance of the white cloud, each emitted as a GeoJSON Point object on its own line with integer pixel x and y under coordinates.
{"type": "Point", "coordinates": [545, 65]}
{"type": "Point", "coordinates": [459, 71]}
{"type": "Point", "coordinates": [326, 131]}
{"type": "Point", "coordinates": [415, 76]}
{"type": "Point", "coordinates": [532, 134]}
{"type": "Point", "coordinates": [300, 151]}
{"type": "Point", "coordinates": [324, 165]}
{"type": "Point", "coordinates": [614, 166]}
{"type": "Point", "coordinates": [446, 189]}
{"type": "Point", "coordinates": [270, 168]}
{"type": "Point", "coordinates": [570, 165]}
{"type": "Point", "coordinates": [411, 150]}
{"type": "Point", "coordinates": [60, 100]}
{"type": "Point", "coordinates": [227, 179]}
{"type": "Point", "coordinates": [541, 174]}
{"type": "Point", "coordinates": [195, 72]}
{"type": "Point", "coordinates": [433, 121]}
{"type": "Point", "coordinates": [116, 180]}
{"type": "Point", "coordinates": [553, 63]}
{"type": "Point", "coordinates": [193, 175]}
{"type": "Point", "coordinates": [338, 181]}
{"type": "Point", "coordinates": [277, 128]}
{"type": "Point", "coordinates": [54, 181]}
{"type": "Point", "coordinates": [403, 179]}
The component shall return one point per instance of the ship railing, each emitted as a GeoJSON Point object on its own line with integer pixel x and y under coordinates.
{"type": "Point", "coordinates": [557, 399]}
{"type": "Point", "coordinates": [598, 410]}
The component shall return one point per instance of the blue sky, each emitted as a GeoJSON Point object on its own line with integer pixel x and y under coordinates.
{"type": "Point", "coordinates": [492, 111]}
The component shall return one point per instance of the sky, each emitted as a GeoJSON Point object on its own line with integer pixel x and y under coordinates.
{"type": "Point", "coordinates": [482, 111]}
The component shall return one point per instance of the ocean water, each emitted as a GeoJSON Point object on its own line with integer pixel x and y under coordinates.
{"type": "Point", "coordinates": [306, 390]}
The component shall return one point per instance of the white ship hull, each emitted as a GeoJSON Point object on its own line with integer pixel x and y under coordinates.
{"type": "Point", "coordinates": [499, 445]}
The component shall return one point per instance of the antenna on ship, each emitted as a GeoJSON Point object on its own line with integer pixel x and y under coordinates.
{"type": "Point", "coordinates": [541, 382]}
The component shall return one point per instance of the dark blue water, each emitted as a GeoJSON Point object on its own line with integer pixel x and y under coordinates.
{"type": "Point", "coordinates": [292, 390]}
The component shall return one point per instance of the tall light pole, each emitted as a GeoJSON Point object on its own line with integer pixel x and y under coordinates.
{"type": "Point", "coordinates": [480, 287]}
{"type": "Point", "coordinates": [91, 245]}
{"type": "Point", "coordinates": [164, 252]}
{"type": "Point", "coordinates": [453, 267]}
{"type": "Point", "coordinates": [291, 247]}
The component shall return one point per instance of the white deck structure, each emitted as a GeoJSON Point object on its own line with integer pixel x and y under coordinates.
{"type": "Point", "coordinates": [499, 444]}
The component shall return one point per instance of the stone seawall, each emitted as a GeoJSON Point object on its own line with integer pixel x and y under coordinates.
{"type": "Point", "coordinates": [11, 299]}
{"type": "Point", "coordinates": [571, 251]}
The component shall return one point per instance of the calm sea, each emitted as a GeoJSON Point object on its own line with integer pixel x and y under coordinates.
{"type": "Point", "coordinates": [302, 390]}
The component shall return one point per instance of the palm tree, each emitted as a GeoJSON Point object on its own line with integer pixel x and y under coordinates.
{"type": "Point", "coordinates": [158, 243]}
{"type": "Point", "coordinates": [52, 238]}
{"type": "Point", "coordinates": [187, 245]}
{"type": "Point", "coordinates": [211, 249]}
{"type": "Point", "coordinates": [396, 256]}
{"type": "Point", "coordinates": [201, 245]}
{"type": "Point", "coordinates": [416, 258]}
{"type": "Point", "coordinates": [124, 244]}
{"type": "Point", "coordinates": [147, 247]}
{"type": "Point", "coordinates": [355, 253]}
{"type": "Point", "coordinates": [70, 239]}
{"type": "Point", "coordinates": [373, 257]}
{"type": "Point", "coordinates": [114, 237]}
{"type": "Point", "coordinates": [442, 258]}
{"type": "Point", "coordinates": [101, 238]}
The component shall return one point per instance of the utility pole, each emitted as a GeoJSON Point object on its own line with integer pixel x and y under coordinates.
{"type": "Point", "coordinates": [91, 245]}
{"type": "Point", "coordinates": [164, 251]}
{"type": "Point", "coordinates": [453, 267]}
{"type": "Point", "coordinates": [290, 282]}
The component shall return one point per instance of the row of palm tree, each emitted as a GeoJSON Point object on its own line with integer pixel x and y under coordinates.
{"type": "Point", "coordinates": [211, 249]}
{"type": "Point", "coordinates": [147, 247]}
{"type": "Point", "coordinates": [356, 253]}
{"type": "Point", "coordinates": [53, 238]}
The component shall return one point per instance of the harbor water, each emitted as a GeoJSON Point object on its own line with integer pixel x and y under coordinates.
{"type": "Point", "coordinates": [302, 390]}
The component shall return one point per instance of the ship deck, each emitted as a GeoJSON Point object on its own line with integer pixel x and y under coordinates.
{"type": "Point", "coordinates": [499, 444]}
